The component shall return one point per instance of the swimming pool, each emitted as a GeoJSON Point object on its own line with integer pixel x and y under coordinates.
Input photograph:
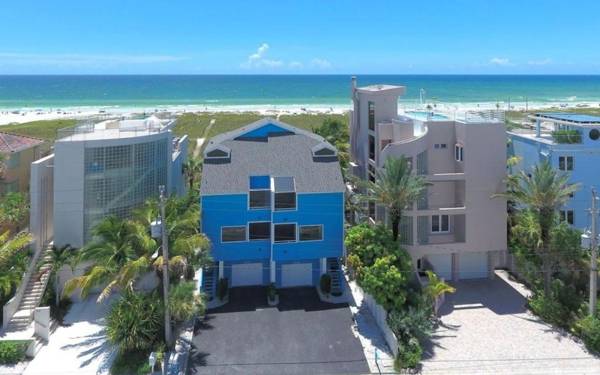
{"type": "Point", "coordinates": [426, 116]}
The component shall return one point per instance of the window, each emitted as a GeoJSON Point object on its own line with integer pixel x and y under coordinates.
{"type": "Point", "coordinates": [567, 215]}
{"type": "Point", "coordinates": [285, 193]}
{"type": "Point", "coordinates": [260, 199]}
{"type": "Point", "coordinates": [440, 224]}
{"type": "Point", "coordinates": [458, 152]}
{"type": "Point", "coordinates": [285, 232]}
{"type": "Point", "coordinates": [311, 233]}
{"type": "Point", "coordinates": [371, 116]}
{"type": "Point", "coordinates": [371, 147]}
{"type": "Point", "coordinates": [233, 234]}
{"type": "Point", "coordinates": [440, 146]}
{"type": "Point", "coordinates": [259, 231]}
{"type": "Point", "coordinates": [594, 134]}
{"type": "Point", "coordinates": [565, 163]}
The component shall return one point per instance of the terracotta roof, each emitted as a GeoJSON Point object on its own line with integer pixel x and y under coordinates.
{"type": "Point", "coordinates": [15, 143]}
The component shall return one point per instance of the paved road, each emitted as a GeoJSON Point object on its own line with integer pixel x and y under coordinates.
{"type": "Point", "coordinates": [486, 329]}
{"type": "Point", "coordinates": [301, 336]}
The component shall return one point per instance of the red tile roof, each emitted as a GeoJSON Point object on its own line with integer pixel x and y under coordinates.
{"type": "Point", "coordinates": [15, 143]}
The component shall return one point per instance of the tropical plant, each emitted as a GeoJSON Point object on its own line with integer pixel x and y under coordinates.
{"type": "Point", "coordinates": [337, 133]}
{"type": "Point", "coordinates": [543, 192]}
{"type": "Point", "coordinates": [120, 252]}
{"type": "Point", "coordinates": [13, 261]}
{"type": "Point", "coordinates": [436, 287]}
{"type": "Point", "coordinates": [365, 243]}
{"type": "Point", "coordinates": [135, 322]}
{"type": "Point", "coordinates": [589, 330]}
{"type": "Point", "coordinates": [192, 169]}
{"type": "Point", "coordinates": [14, 208]}
{"type": "Point", "coordinates": [13, 351]}
{"type": "Point", "coordinates": [184, 303]}
{"type": "Point", "coordinates": [395, 188]}
{"type": "Point", "coordinates": [60, 257]}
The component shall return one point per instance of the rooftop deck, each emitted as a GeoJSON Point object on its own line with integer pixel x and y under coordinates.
{"type": "Point", "coordinates": [113, 129]}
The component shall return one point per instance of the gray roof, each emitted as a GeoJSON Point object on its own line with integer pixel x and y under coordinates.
{"type": "Point", "coordinates": [283, 155]}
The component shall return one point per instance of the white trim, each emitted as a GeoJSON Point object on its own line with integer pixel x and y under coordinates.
{"type": "Point", "coordinates": [286, 223]}
{"type": "Point", "coordinates": [311, 225]}
{"type": "Point", "coordinates": [218, 147]}
{"type": "Point", "coordinates": [248, 231]}
{"type": "Point", "coordinates": [235, 226]}
{"type": "Point", "coordinates": [439, 216]}
{"type": "Point", "coordinates": [321, 146]}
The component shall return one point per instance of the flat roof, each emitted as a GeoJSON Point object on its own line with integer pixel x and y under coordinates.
{"type": "Point", "coordinates": [381, 88]}
{"type": "Point", "coordinates": [113, 129]}
{"type": "Point", "coordinates": [574, 118]}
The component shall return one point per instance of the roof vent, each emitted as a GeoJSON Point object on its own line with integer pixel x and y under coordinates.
{"type": "Point", "coordinates": [323, 150]}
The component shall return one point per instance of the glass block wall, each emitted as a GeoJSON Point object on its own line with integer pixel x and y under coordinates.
{"type": "Point", "coordinates": [118, 179]}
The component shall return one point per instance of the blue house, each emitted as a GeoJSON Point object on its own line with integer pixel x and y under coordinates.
{"type": "Point", "coordinates": [272, 199]}
{"type": "Point", "coordinates": [571, 142]}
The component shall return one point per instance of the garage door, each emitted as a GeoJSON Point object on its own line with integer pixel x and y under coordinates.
{"type": "Point", "coordinates": [442, 265]}
{"type": "Point", "coordinates": [473, 266]}
{"type": "Point", "coordinates": [247, 274]}
{"type": "Point", "coordinates": [297, 274]}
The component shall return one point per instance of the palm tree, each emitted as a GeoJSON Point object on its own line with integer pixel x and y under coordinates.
{"type": "Point", "coordinates": [13, 260]}
{"type": "Point", "coordinates": [184, 303]}
{"type": "Point", "coordinates": [120, 252]}
{"type": "Point", "coordinates": [542, 192]}
{"type": "Point", "coordinates": [436, 287]}
{"type": "Point", "coordinates": [395, 188]}
{"type": "Point", "coordinates": [60, 257]}
{"type": "Point", "coordinates": [192, 169]}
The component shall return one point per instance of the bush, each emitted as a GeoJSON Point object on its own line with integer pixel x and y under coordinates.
{"type": "Point", "coordinates": [325, 283]}
{"type": "Point", "coordinates": [588, 329]}
{"type": "Point", "coordinates": [222, 288]}
{"type": "Point", "coordinates": [184, 303]}
{"type": "Point", "coordinates": [131, 363]}
{"type": "Point", "coordinates": [409, 354]}
{"type": "Point", "coordinates": [12, 352]}
{"type": "Point", "coordinates": [550, 310]}
{"type": "Point", "coordinates": [385, 282]}
{"type": "Point", "coordinates": [414, 322]}
{"type": "Point", "coordinates": [271, 292]}
{"type": "Point", "coordinates": [135, 322]}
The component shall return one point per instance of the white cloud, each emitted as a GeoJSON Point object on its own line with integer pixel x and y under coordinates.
{"type": "Point", "coordinates": [539, 62]}
{"type": "Point", "coordinates": [82, 59]}
{"type": "Point", "coordinates": [501, 61]}
{"type": "Point", "coordinates": [258, 60]}
{"type": "Point", "coordinates": [295, 65]}
{"type": "Point", "coordinates": [320, 63]}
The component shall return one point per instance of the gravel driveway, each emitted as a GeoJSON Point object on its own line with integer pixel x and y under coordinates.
{"type": "Point", "coordinates": [486, 329]}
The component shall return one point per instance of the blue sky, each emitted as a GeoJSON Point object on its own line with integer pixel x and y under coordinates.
{"type": "Point", "coordinates": [299, 37]}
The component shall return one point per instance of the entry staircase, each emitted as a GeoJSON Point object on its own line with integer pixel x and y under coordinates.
{"type": "Point", "coordinates": [34, 291]}
{"type": "Point", "coordinates": [208, 281]}
{"type": "Point", "coordinates": [335, 272]}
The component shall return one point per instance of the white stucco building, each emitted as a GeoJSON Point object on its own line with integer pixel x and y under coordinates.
{"type": "Point", "coordinates": [456, 227]}
{"type": "Point", "coordinates": [102, 169]}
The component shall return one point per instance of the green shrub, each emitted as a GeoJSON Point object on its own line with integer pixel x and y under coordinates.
{"type": "Point", "coordinates": [588, 329]}
{"type": "Point", "coordinates": [550, 310]}
{"type": "Point", "coordinates": [135, 323]}
{"type": "Point", "coordinates": [13, 351]}
{"type": "Point", "coordinates": [222, 288]}
{"type": "Point", "coordinates": [325, 283]}
{"type": "Point", "coordinates": [271, 292]}
{"type": "Point", "coordinates": [414, 322]}
{"type": "Point", "coordinates": [409, 354]}
{"type": "Point", "coordinates": [131, 363]}
{"type": "Point", "coordinates": [184, 303]}
{"type": "Point", "coordinates": [385, 282]}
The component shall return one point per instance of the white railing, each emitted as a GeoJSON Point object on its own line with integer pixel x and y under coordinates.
{"type": "Point", "coordinates": [11, 307]}
{"type": "Point", "coordinates": [484, 116]}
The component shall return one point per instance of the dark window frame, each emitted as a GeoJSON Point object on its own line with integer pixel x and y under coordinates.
{"type": "Point", "coordinates": [288, 238]}
{"type": "Point", "coordinates": [234, 227]}
{"type": "Point", "coordinates": [259, 236]}
{"type": "Point", "coordinates": [320, 226]}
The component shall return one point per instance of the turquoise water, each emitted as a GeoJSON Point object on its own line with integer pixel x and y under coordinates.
{"type": "Point", "coordinates": [274, 90]}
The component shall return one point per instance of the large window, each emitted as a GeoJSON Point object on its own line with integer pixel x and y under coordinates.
{"type": "Point", "coordinates": [233, 234]}
{"type": "Point", "coordinates": [285, 232]}
{"type": "Point", "coordinates": [440, 224]}
{"type": "Point", "coordinates": [259, 231]}
{"type": "Point", "coordinates": [567, 215]}
{"type": "Point", "coordinates": [311, 233]}
{"type": "Point", "coordinates": [285, 193]}
{"type": "Point", "coordinates": [371, 147]}
{"type": "Point", "coordinates": [565, 163]}
{"type": "Point", "coordinates": [371, 116]}
{"type": "Point", "coordinates": [259, 199]}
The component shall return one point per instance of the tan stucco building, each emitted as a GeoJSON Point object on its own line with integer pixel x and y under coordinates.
{"type": "Point", "coordinates": [19, 152]}
{"type": "Point", "coordinates": [456, 227]}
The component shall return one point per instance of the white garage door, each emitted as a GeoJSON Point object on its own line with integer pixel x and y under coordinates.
{"type": "Point", "coordinates": [473, 266]}
{"type": "Point", "coordinates": [247, 274]}
{"type": "Point", "coordinates": [297, 274]}
{"type": "Point", "coordinates": [442, 265]}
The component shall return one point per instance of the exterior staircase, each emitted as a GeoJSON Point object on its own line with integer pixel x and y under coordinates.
{"type": "Point", "coordinates": [208, 281]}
{"type": "Point", "coordinates": [36, 285]}
{"type": "Point", "coordinates": [335, 272]}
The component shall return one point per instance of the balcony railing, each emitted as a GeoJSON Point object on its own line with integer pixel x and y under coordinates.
{"type": "Point", "coordinates": [566, 136]}
{"type": "Point", "coordinates": [484, 116]}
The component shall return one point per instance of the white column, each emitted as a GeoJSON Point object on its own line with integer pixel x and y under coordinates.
{"type": "Point", "coordinates": [272, 269]}
{"type": "Point", "coordinates": [538, 128]}
{"type": "Point", "coordinates": [323, 266]}
{"type": "Point", "coordinates": [221, 269]}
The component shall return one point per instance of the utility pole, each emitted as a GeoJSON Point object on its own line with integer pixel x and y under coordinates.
{"type": "Point", "coordinates": [165, 264]}
{"type": "Point", "coordinates": [594, 260]}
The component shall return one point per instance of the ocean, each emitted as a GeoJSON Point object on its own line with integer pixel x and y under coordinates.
{"type": "Point", "coordinates": [217, 91]}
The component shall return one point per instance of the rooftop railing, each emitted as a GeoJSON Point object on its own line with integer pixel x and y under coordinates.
{"type": "Point", "coordinates": [484, 116]}
{"type": "Point", "coordinates": [110, 128]}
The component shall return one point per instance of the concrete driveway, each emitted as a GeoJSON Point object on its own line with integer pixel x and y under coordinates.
{"type": "Point", "coordinates": [300, 336]}
{"type": "Point", "coordinates": [486, 329]}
